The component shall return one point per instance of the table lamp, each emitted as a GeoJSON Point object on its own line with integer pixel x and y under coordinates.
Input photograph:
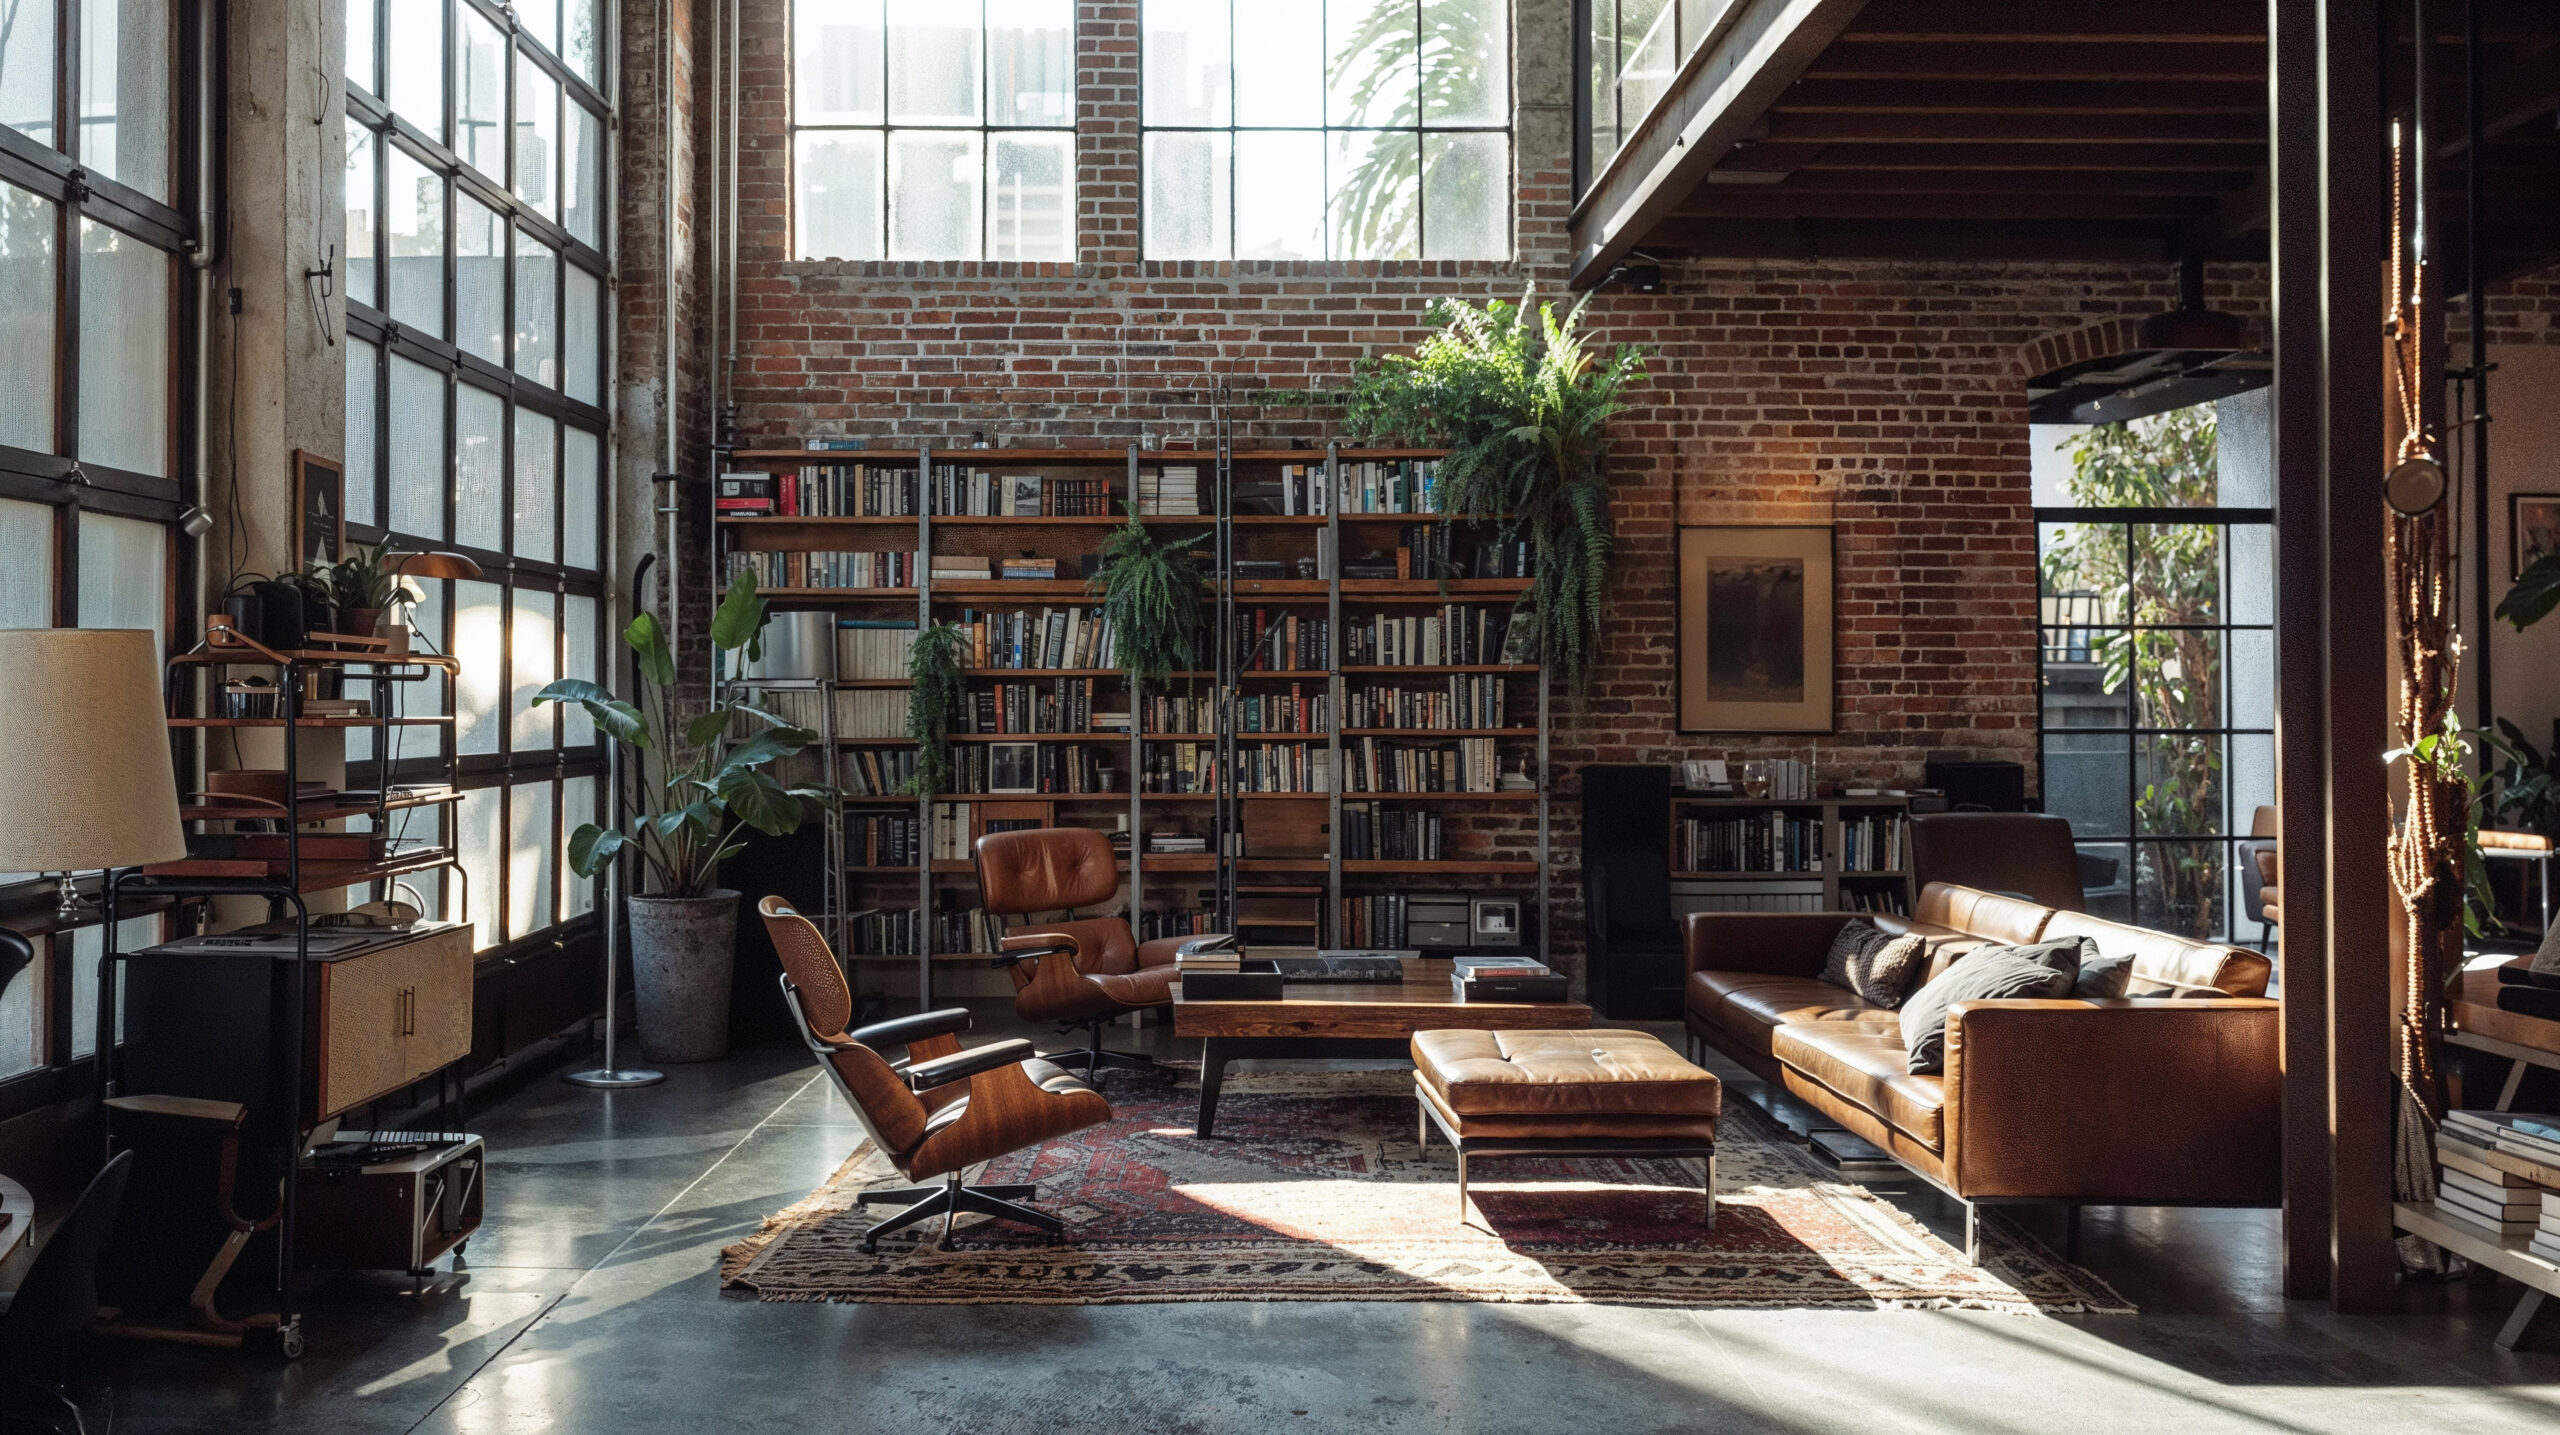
{"type": "Point", "coordinates": [85, 777]}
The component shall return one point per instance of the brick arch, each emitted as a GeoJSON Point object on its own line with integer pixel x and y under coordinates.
{"type": "Point", "coordinates": [2072, 346]}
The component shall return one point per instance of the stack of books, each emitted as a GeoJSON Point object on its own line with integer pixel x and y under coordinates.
{"type": "Point", "coordinates": [1172, 489]}
{"type": "Point", "coordinates": [1173, 842]}
{"type": "Point", "coordinates": [1036, 569]}
{"type": "Point", "coordinates": [962, 566]}
{"type": "Point", "coordinates": [2502, 1170]}
{"type": "Point", "coordinates": [1505, 979]}
{"type": "Point", "coordinates": [1230, 960]}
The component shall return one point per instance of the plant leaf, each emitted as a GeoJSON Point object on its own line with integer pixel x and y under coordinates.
{"type": "Point", "coordinates": [649, 640]}
{"type": "Point", "coordinates": [706, 729]}
{"type": "Point", "coordinates": [592, 847]}
{"type": "Point", "coordinates": [740, 621]}
{"type": "Point", "coordinates": [620, 720]}
{"type": "Point", "coordinates": [765, 746]}
{"type": "Point", "coordinates": [2535, 593]}
{"type": "Point", "coordinates": [761, 802]}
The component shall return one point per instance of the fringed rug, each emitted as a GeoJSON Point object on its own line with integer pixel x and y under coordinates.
{"type": "Point", "coordinates": [1313, 1189]}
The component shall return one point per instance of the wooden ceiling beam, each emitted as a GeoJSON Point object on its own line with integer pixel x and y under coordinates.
{"type": "Point", "coordinates": [1735, 203]}
{"type": "Point", "coordinates": [2147, 97]}
{"type": "Point", "coordinates": [2041, 62]}
{"type": "Point", "coordinates": [1945, 181]}
{"type": "Point", "coordinates": [2012, 129]}
{"type": "Point", "coordinates": [2185, 21]}
{"type": "Point", "coordinates": [1816, 239]}
{"type": "Point", "coordinates": [2121, 158]}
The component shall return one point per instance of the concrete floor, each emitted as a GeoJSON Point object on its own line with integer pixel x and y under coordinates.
{"type": "Point", "coordinates": [590, 1303]}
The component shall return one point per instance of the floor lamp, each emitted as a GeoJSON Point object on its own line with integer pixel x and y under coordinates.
{"type": "Point", "coordinates": [86, 781]}
{"type": "Point", "coordinates": [612, 1076]}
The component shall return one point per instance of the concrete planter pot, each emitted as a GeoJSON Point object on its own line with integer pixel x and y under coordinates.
{"type": "Point", "coordinates": [682, 951]}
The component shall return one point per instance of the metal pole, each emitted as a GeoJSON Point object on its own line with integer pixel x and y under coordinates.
{"type": "Point", "coordinates": [611, 1076]}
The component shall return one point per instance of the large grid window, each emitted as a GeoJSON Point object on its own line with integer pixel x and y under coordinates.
{"type": "Point", "coordinates": [942, 131]}
{"type": "Point", "coordinates": [95, 348]}
{"type": "Point", "coordinates": [475, 360]}
{"type": "Point", "coordinates": [2158, 674]}
{"type": "Point", "coordinates": [1632, 50]}
{"type": "Point", "coordinates": [1350, 129]}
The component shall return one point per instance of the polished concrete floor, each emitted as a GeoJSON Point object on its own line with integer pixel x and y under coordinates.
{"type": "Point", "coordinates": [590, 1302]}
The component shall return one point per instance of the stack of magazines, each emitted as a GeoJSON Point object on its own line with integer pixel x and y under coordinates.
{"type": "Point", "coordinates": [1505, 979]}
{"type": "Point", "coordinates": [2502, 1170]}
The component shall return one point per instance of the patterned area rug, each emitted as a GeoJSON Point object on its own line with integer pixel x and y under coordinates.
{"type": "Point", "coordinates": [1313, 1189]}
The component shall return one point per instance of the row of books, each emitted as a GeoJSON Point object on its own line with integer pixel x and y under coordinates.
{"type": "Point", "coordinates": [979, 493]}
{"type": "Point", "coordinates": [1460, 634]}
{"type": "Point", "coordinates": [1050, 638]}
{"type": "Point", "coordinates": [1373, 921]}
{"type": "Point", "coordinates": [1757, 842]}
{"type": "Point", "coordinates": [979, 568]}
{"type": "Point", "coordinates": [823, 568]}
{"type": "Point", "coordinates": [1468, 764]}
{"type": "Point", "coordinates": [966, 929]}
{"type": "Point", "coordinates": [875, 647]}
{"type": "Point", "coordinates": [1775, 896]}
{"type": "Point", "coordinates": [1297, 710]}
{"type": "Point", "coordinates": [1396, 485]}
{"type": "Point", "coordinates": [1029, 768]}
{"type": "Point", "coordinates": [1275, 640]}
{"type": "Point", "coordinates": [884, 932]}
{"type": "Point", "coordinates": [1373, 833]}
{"type": "Point", "coordinates": [877, 771]}
{"type": "Point", "coordinates": [1296, 490]}
{"type": "Point", "coordinates": [1876, 899]}
{"type": "Point", "coordinates": [1063, 705]}
{"type": "Point", "coordinates": [2501, 1169]}
{"type": "Point", "coordinates": [1469, 700]}
{"type": "Point", "coordinates": [882, 840]}
{"type": "Point", "coordinates": [1274, 767]}
{"type": "Point", "coordinates": [859, 712]}
{"type": "Point", "coordinates": [834, 490]}
{"type": "Point", "coordinates": [1172, 490]}
{"type": "Point", "coordinates": [1173, 712]}
{"type": "Point", "coordinates": [1873, 843]}
{"type": "Point", "coordinates": [1197, 922]}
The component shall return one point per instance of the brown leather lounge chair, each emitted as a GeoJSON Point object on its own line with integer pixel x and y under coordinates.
{"type": "Point", "coordinates": [938, 1110]}
{"type": "Point", "coordinates": [1077, 972]}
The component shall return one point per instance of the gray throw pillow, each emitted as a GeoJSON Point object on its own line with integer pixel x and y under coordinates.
{"type": "Point", "coordinates": [1883, 975]}
{"type": "Point", "coordinates": [1857, 937]}
{"type": "Point", "coordinates": [1986, 974]}
{"type": "Point", "coordinates": [2102, 977]}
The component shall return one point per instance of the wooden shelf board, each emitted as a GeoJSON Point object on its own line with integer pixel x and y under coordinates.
{"type": "Point", "coordinates": [1241, 796]}
{"type": "Point", "coordinates": [1316, 455]}
{"type": "Point", "coordinates": [1298, 674]}
{"type": "Point", "coordinates": [872, 683]}
{"type": "Point", "coordinates": [2507, 1255]}
{"type": "Point", "coordinates": [317, 876]}
{"type": "Point", "coordinates": [1440, 797]}
{"type": "Point", "coordinates": [837, 595]}
{"type": "Point", "coordinates": [1422, 670]}
{"type": "Point", "coordinates": [1433, 588]}
{"type": "Point", "coordinates": [953, 590]}
{"type": "Point", "coordinates": [1440, 732]}
{"type": "Point", "coordinates": [878, 741]}
{"type": "Point", "coordinates": [826, 456]}
{"type": "Point", "coordinates": [1034, 675]}
{"type": "Point", "coordinates": [339, 813]}
{"type": "Point", "coordinates": [1678, 875]}
{"type": "Point", "coordinates": [1454, 868]}
{"type": "Point", "coordinates": [1120, 797]}
{"type": "Point", "coordinates": [250, 657]}
{"type": "Point", "coordinates": [910, 959]}
{"type": "Point", "coordinates": [309, 722]}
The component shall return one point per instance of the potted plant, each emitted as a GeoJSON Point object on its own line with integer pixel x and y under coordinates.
{"type": "Point", "coordinates": [936, 688]}
{"type": "Point", "coordinates": [1522, 405]}
{"type": "Point", "coordinates": [358, 586]}
{"type": "Point", "coordinates": [689, 805]}
{"type": "Point", "coordinates": [1150, 595]}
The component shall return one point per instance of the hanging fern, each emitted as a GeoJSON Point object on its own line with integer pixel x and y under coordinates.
{"type": "Point", "coordinates": [1150, 595]}
{"type": "Point", "coordinates": [933, 699]}
{"type": "Point", "coordinates": [1522, 405]}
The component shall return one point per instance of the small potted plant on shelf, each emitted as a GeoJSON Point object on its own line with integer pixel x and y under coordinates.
{"type": "Point", "coordinates": [695, 788]}
{"type": "Point", "coordinates": [359, 586]}
{"type": "Point", "coordinates": [1150, 594]}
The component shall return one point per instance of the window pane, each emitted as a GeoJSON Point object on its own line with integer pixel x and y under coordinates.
{"type": "Point", "coordinates": [582, 40]}
{"type": "Point", "coordinates": [124, 573]}
{"type": "Point", "coordinates": [124, 92]}
{"type": "Point", "coordinates": [1032, 216]}
{"type": "Point", "coordinates": [480, 96]}
{"type": "Point", "coordinates": [1187, 179]}
{"type": "Point", "coordinates": [360, 46]}
{"type": "Point", "coordinates": [577, 808]}
{"type": "Point", "coordinates": [479, 279]}
{"type": "Point", "coordinates": [933, 64]}
{"type": "Point", "coordinates": [1466, 57]}
{"type": "Point", "coordinates": [1280, 214]}
{"type": "Point", "coordinates": [29, 225]}
{"type": "Point", "coordinates": [417, 65]}
{"type": "Point", "coordinates": [582, 175]}
{"type": "Point", "coordinates": [537, 137]}
{"type": "Point", "coordinates": [22, 1007]}
{"type": "Point", "coordinates": [479, 818]}
{"type": "Point", "coordinates": [1376, 210]}
{"type": "Point", "coordinates": [88, 944]}
{"type": "Point", "coordinates": [426, 699]}
{"type": "Point", "coordinates": [364, 279]}
{"type": "Point", "coordinates": [839, 69]}
{"type": "Point", "coordinates": [537, 306]}
{"type": "Point", "coordinates": [479, 469]}
{"type": "Point", "coordinates": [1369, 79]}
{"type": "Point", "coordinates": [26, 564]}
{"type": "Point", "coordinates": [479, 638]}
{"type": "Point", "coordinates": [1285, 83]}
{"type": "Point", "coordinates": [415, 213]}
{"type": "Point", "coordinates": [124, 351]}
{"type": "Point", "coordinates": [364, 365]}
{"type": "Point", "coordinates": [1466, 188]}
{"type": "Point", "coordinates": [417, 450]}
{"type": "Point", "coordinates": [533, 851]}
{"type": "Point", "coordinates": [537, 529]}
{"type": "Point", "coordinates": [1031, 62]}
{"type": "Point", "coordinates": [581, 455]}
{"type": "Point", "coordinates": [1186, 76]}
{"type": "Point", "coordinates": [541, 22]}
{"type": "Point", "coordinates": [933, 194]}
{"type": "Point", "coordinates": [579, 338]}
{"type": "Point", "coordinates": [836, 178]}
{"type": "Point", "coordinates": [537, 662]}
{"type": "Point", "coordinates": [26, 76]}
{"type": "Point", "coordinates": [578, 631]}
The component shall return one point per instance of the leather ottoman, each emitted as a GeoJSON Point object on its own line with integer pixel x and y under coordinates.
{"type": "Point", "coordinates": [1564, 1094]}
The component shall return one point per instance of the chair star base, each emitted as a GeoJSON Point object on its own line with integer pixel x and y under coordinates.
{"type": "Point", "coordinates": [949, 1200]}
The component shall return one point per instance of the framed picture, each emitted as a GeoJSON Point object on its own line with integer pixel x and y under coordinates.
{"type": "Point", "coordinates": [319, 509]}
{"type": "Point", "coordinates": [1755, 629]}
{"type": "Point", "coordinates": [1013, 767]}
{"type": "Point", "coordinates": [2533, 528]}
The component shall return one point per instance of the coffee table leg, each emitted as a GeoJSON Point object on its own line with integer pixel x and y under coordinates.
{"type": "Point", "coordinates": [1213, 1071]}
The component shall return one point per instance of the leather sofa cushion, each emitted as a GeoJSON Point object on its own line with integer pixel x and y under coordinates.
{"type": "Point", "coordinates": [2164, 960]}
{"type": "Point", "coordinates": [1982, 914]}
{"type": "Point", "coordinates": [1750, 1005]}
{"type": "Point", "coordinates": [1865, 1064]}
{"type": "Point", "coordinates": [1562, 1074]}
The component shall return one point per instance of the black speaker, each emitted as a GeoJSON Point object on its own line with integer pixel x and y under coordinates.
{"type": "Point", "coordinates": [1979, 786]}
{"type": "Point", "coordinates": [1633, 970]}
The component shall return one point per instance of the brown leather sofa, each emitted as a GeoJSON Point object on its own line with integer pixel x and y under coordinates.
{"type": "Point", "coordinates": [2166, 1097]}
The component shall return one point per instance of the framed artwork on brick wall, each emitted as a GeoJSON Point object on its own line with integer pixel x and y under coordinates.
{"type": "Point", "coordinates": [1755, 629]}
{"type": "Point", "coordinates": [319, 509]}
{"type": "Point", "coordinates": [2533, 528]}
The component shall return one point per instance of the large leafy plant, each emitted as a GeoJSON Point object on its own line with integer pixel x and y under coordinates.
{"type": "Point", "coordinates": [1523, 405]}
{"type": "Point", "coordinates": [692, 803]}
{"type": "Point", "coordinates": [1150, 593]}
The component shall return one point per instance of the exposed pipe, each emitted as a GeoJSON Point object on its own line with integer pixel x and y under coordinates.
{"type": "Point", "coordinates": [729, 210]}
{"type": "Point", "coordinates": [2475, 310]}
{"type": "Point", "coordinates": [201, 257]}
{"type": "Point", "coordinates": [673, 583]}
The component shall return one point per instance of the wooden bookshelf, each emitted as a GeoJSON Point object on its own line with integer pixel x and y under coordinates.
{"type": "Point", "coordinates": [1829, 817]}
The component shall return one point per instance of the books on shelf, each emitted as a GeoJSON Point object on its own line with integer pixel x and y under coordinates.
{"type": "Point", "coordinates": [1041, 570]}
{"type": "Point", "coordinates": [881, 932]}
{"type": "Point", "coordinates": [1175, 842]}
{"type": "Point", "coordinates": [859, 712]}
{"type": "Point", "coordinates": [963, 567]}
{"type": "Point", "coordinates": [870, 649]}
{"type": "Point", "coordinates": [1459, 634]}
{"type": "Point", "coordinates": [843, 488]}
{"type": "Point", "coordinates": [877, 771]}
{"type": "Point", "coordinates": [1401, 485]}
{"type": "Point", "coordinates": [1873, 843]}
{"type": "Point", "coordinates": [1042, 638]}
{"type": "Point", "coordinates": [825, 568]}
{"type": "Point", "coordinates": [1373, 832]}
{"type": "Point", "coordinates": [1170, 489]}
{"type": "Point", "coordinates": [882, 840]}
{"type": "Point", "coordinates": [1771, 841]}
{"type": "Point", "coordinates": [1774, 895]}
{"type": "Point", "coordinates": [2525, 1134]}
{"type": "Point", "coordinates": [1282, 640]}
{"type": "Point", "coordinates": [1373, 921]}
{"type": "Point", "coordinates": [1374, 764]}
{"type": "Point", "coordinates": [1468, 700]}
{"type": "Point", "coordinates": [1062, 705]}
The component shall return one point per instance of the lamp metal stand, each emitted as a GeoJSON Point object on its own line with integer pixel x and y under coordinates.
{"type": "Point", "coordinates": [611, 1076]}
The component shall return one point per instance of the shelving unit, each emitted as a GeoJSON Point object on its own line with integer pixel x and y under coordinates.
{"type": "Point", "coordinates": [1831, 886]}
{"type": "Point", "coordinates": [1307, 543]}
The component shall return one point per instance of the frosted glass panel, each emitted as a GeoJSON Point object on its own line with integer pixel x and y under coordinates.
{"type": "Point", "coordinates": [29, 228]}
{"type": "Point", "coordinates": [1373, 182]}
{"type": "Point", "coordinates": [479, 279]}
{"type": "Point", "coordinates": [1187, 69]}
{"type": "Point", "coordinates": [933, 64]}
{"type": "Point", "coordinates": [933, 194]}
{"type": "Point", "coordinates": [1470, 63]}
{"type": "Point", "coordinates": [364, 272]}
{"type": "Point", "coordinates": [26, 76]}
{"type": "Point", "coordinates": [580, 341]}
{"type": "Point", "coordinates": [1466, 193]}
{"type": "Point", "coordinates": [22, 1007]}
{"type": "Point", "coordinates": [427, 699]}
{"type": "Point", "coordinates": [541, 22]}
{"type": "Point", "coordinates": [533, 857]}
{"type": "Point", "coordinates": [88, 944]}
{"type": "Point", "coordinates": [582, 39]}
{"type": "Point", "coordinates": [480, 96]}
{"type": "Point", "coordinates": [417, 450]}
{"type": "Point", "coordinates": [537, 310]}
{"type": "Point", "coordinates": [124, 351]}
{"type": "Point", "coordinates": [580, 457]}
{"type": "Point", "coordinates": [537, 180]}
{"type": "Point", "coordinates": [582, 174]}
{"type": "Point", "coordinates": [838, 69]}
{"type": "Point", "coordinates": [124, 573]}
{"type": "Point", "coordinates": [836, 206]}
{"type": "Point", "coordinates": [415, 214]}
{"type": "Point", "coordinates": [1031, 62]}
{"type": "Point", "coordinates": [481, 819]}
{"type": "Point", "coordinates": [417, 64]}
{"type": "Point", "coordinates": [1187, 178]}
{"type": "Point", "coordinates": [537, 527]}
{"type": "Point", "coordinates": [364, 418]}
{"type": "Point", "coordinates": [479, 469]}
{"type": "Point", "coordinates": [1280, 213]}
{"type": "Point", "coordinates": [1031, 213]}
{"type": "Point", "coordinates": [479, 644]}
{"type": "Point", "coordinates": [1285, 83]}
{"type": "Point", "coordinates": [578, 634]}
{"type": "Point", "coordinates": [577, 807]}
{"type": "Point", "coordinates": [1370, 69]}
{"type": "Point", "coordinates": [26, 564]}
{"type": "Point", "coordinates": [124, 91]}
{"type": "Point", "coordinates": [537, 660]}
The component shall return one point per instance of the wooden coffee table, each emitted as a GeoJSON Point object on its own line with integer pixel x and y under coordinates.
{"type": "Point", "coordinates": [1323, 1021]}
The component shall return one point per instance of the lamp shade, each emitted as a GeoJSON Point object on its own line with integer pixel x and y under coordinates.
{"type": "Point", "coordinates": [435, 565]}
{"type": "Point", "coordinates": [85, 779]}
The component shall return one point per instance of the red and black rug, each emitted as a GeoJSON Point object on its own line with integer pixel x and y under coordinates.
{"type": "Point", "coordinates": [1313, 1189]}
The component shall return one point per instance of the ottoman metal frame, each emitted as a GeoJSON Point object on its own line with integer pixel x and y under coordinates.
{"type": "Point", "coordinates": [1567, 1147]}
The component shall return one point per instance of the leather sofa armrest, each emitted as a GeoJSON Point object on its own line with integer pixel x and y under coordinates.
{"type": "Point", "coordinates": [909, 1030]}
{"type": "Point", "coordinates": [1778, 944]}
{"type": "Point", "coordinates": [961, 1065]}
{"type": "Point", "coordinates": [2116, 1101]}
